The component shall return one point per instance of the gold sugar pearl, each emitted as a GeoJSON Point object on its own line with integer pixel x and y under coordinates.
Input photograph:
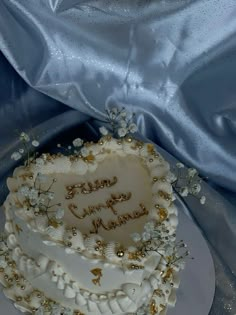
{"type": "Point", "coordinates": [1, 269]}
{"type": "Point", "coordinates": [19, 298]}
{"type": "Point", "coordinates": [69, 244]}
{"type": "Point", "coordinates": [120, 253]}
{"type": "Point", "coordinates": [155, 179]}
{"type": "Point", "coordinates": [129, 139]}
{"type": "Point", "coordinates": [150, 160]}
{"type": "Point", "coordinates": [22, 287]}
{"type": "Point", "coordinates": [100, 142]}
{"type": "Point", "coordinates": [74, 233]}
{"type": "Point", "coordinates": [6, 277]}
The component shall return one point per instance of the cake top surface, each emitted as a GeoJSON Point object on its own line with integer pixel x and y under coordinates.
{"type": "Point", "coordinates": [96, 202]}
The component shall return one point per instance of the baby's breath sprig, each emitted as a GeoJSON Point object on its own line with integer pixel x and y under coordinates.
{"type": "Point", "coordinates": [120, 121]}
{"type": "Point", "coordinates": [187, 182]}
{"type": "Point", "coordinates": [157, 238]}
{"type": "Point", "coordinates": [40, 201]}
{"type": "Point", "coordinates": [28, 148]}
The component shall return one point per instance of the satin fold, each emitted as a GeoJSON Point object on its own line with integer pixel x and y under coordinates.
{"type": "Point", "coordinates": [171, 62]}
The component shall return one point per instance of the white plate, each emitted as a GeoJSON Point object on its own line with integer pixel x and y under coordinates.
{"type": "Point", "coordinates": [197, 286]}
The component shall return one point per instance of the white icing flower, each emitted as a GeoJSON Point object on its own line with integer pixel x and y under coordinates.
{"type": "Point", "coordinates": [16, 156]}
{"type": "Point", "coordinates": [192, 172]}
{"type": "Point", "coordinates": [59, 213]}
{"type": "Point", "coordinates": [77, 142]}
{"type": "Point", "coordinates": [24, 137]}
{"type": "Point", "coordinates": [69, 147]}
{"type": "Point", "coordinates": [35, 143]}
{"type": "Point", "coordinates": [122, 132]}
{"type": "Point", "coordinates": [136, 237]}
{"type": "Point", "coordinates": [133, 128]}
{"type": "Point", "coordinates": [184, 191]}
{"type": "Point", "coordinates": [103, 130]}
{"type": "Point", "coordinates": [179, 165]}
{"type": "Point", "coordinates": [203, 200]}
{"type": "Point", "coordinates": [21, 151]}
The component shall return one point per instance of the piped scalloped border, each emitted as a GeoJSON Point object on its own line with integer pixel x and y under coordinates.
{"type": "Point", "coordinates": [129, 298]}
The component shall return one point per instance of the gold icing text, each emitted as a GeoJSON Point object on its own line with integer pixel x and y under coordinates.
{"type": "Point", "coordinates": [120, 220]}
{"type": "Point", "coordinates": [89, 187]}
{"type": "Point", "coordinates": [109, 204]}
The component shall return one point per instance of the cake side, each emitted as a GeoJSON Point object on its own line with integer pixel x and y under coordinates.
{"type": "Point", "coordinates": [117, 269]}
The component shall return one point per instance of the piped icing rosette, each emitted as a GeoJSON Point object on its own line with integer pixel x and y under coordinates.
{"type": "Point", "coordinates": [94, 231]}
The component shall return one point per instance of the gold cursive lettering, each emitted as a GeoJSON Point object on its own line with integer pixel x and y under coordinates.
{"type": "Point", "coordinates": [96, 208]}
{"type": "Point", "coordinates": [89, 187]}
{"type": "Point", "coordinates": [121, 220]}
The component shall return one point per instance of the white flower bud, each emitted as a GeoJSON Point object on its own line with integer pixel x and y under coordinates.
{"type": "Point", "coordinates": [192, 172]}
{"type": "Point", "coordinates": [59, 214]}
{"type": "Point", "coordinates": [24, 137]}
{"type": "Point", "coordinates": [35, 143]}
{"type": "Point", "coordinates": [202, 200]}
{"type": "Point", "coordinates": [195, 189]}
{"type": "Point", "coordinates": [136, 237]}
{"type": "Point", "coordinates": [123, 123]}
{"type": "Point", "coordinates": [103, 130]}
{"type": "Point", "coordinates": [122, 132]}
{"type": "Point", "coordinates": [179, 165]}
{"type": "Point", "coordinates": [76, 143]}
{"type": "Point", "coordinates": [84, 151]}
{"type": "Point", "coordinates": [133, 128]}
{"type": "Point", "coordinates": [16, 156]}
{"type": "Point", "coordinates": [184, 191]}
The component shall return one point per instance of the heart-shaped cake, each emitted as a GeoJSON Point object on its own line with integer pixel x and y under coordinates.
{"type": "Point", "coordinates": [93, 232]}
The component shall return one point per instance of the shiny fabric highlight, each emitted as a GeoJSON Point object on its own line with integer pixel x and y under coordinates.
{"type": "Point", "coordinates": [171, 62]}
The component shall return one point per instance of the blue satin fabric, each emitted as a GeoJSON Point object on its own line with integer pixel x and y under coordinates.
{"type": "Point", "coordinates": [171, 62]}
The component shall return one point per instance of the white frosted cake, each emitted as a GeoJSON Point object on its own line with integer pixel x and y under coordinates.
{"type": "Point", "coordinates": [92, 233]}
